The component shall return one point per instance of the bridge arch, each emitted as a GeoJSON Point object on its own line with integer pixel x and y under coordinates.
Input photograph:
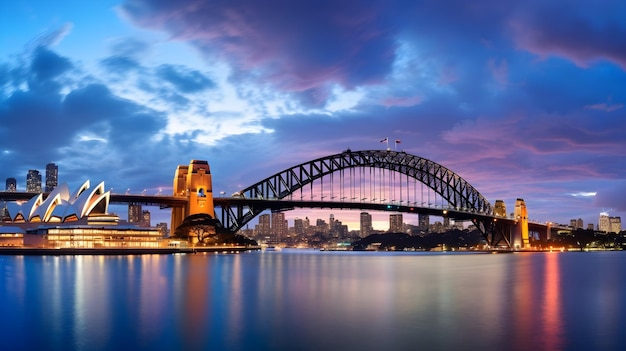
{"type": "Point", "coordinates": [450, 186]}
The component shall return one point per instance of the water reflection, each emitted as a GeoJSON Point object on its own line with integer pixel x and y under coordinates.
{"type": "Point", "coordinates": [273, 301]}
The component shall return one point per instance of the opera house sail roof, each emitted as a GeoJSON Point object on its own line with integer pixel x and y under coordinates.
{"type": "Point", "coordinates": [60, 206]}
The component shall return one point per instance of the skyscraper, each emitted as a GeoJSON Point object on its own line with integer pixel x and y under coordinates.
{"type": "Point", "coordinates": [135, 214]}
{"type": "Point", "coordinates": [11, 184]}
{"type": "Point", "coordinates": [603, 222]}
{"type": "Point", "coordinates": [279, 225]}
{"type": "Point", "coordinates": [264, 225]}
{"type": "Point", "coordinates": [52, 176]}
{"type": "Point", "coordinates": [366, 224]}
{"type": "Point", "coordinates": [33, 181]}
{"type": "Point", "coordinates": [395, 223]}
{"type": "Point", "coordinates": [424, 221]}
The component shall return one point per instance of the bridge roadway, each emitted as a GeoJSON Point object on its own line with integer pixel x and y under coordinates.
{"type": "Point", "coordinates": [285, 205]}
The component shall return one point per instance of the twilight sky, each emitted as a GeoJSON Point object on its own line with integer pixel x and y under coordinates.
{"type": "Point", "coordinates": [521, 98]}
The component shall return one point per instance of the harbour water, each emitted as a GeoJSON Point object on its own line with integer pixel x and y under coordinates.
{"type": "Point", "coordinates": [312, 300]}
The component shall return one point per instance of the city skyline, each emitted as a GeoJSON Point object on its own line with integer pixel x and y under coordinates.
{"type": "Point", "coordinates": [523, 100]}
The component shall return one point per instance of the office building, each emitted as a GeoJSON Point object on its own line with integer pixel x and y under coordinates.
{"type": "Point", "coordinates": [135, 214]}
{"type": "Point", "coordinates": [33, 181]}
{"type": "Point", "coordinates": [279, 225]}
{"type": "Point", "coordinates": [576, 223]}
{"type": "Point", "coordinates": [424, 221]}
{"type": "Point", "coordinates": [263, 228]}
{"type": "Point", "coordinates": [366, 224]}
{"type": "Point", "coordinates": [52, 176]}
{"type": "Point", "coordinates": [395, 223]}
{"type": "Point", "coordinates": [11, 184]}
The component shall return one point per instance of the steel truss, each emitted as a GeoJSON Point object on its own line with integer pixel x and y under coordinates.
{"type": "Point", "coordinates": [459, 194]}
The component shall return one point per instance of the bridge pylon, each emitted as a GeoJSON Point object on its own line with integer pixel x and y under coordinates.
{"type": "Point", "coordinates": [521, 240]}
{"type": "Point", "coordinates": [194, 183]}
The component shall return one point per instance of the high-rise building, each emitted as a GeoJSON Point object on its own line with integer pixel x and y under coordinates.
{"type": "Point", "coordinates": [395, 223]}
{"type": "Point", "coordinates": [264, 227]}
{"type": "Point", "coordinates": [52, 176]}
{"type": "Point", "coordinates": [589, 226]}
{"type": "Point", "coordinates": [424, 221]}
{"type": "Point", "coordinates": [298, 226]}
{"type": "Point", "coordinates": [603, 222]}
{"type": "Point", "coordinates": [11, 184]}
{"type": "Point", "coordinates": [576, 223]}
{"type": "Point", "coordinates": [366, 224]}
{"type": "Point", "coordinates": [279, 225]}
{"type": "Point", "coordinates": [146, 218]}
{"type": "Point", "coordinates": [615, 224]}
{"type": "Point", "coordinates": [33, 181]}
{"type": "Point", "coordinates": [135, 213]}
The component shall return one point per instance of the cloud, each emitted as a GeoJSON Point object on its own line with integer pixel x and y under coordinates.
{"type": "Point", "coordinates": [184, 80]}
{"type": "Point", "coordinates": [296, 46]}
{"type": "Point", "coordinates": [583, 32]}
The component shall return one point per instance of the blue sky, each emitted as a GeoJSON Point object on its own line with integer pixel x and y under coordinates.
{"type": "Point", "coordinates": [522, 99]}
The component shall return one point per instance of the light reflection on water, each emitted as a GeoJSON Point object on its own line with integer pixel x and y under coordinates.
{"type": "Point", "coordinates": [314, 300]}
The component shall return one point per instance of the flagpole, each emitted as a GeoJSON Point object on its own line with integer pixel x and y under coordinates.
{"type": "Point", "coordinates": [387, 142]}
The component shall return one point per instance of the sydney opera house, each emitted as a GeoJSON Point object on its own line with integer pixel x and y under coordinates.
{"type": "Point", "coordinates": [79, 219]}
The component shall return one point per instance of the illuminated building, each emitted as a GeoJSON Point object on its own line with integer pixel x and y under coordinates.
{"type": "Point", "coordinates": [73, 220]}
{"type": "Point", "coordinates": [52, 176]}
{"type": "Point", "coordinates": [395, 223]}
{"type": "Point", "coordinates": [609, 224]}
{"type": "Point", "coordinates": [11, 184]}
{"type": "Point", "coordinates": [298, 226]}
{"type": "Point", "coordinates": [366, 224]}
{"type": "Point", "coordinates": [33, 181]}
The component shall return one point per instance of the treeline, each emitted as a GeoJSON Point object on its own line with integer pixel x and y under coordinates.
{"type": "Point", "coordinates": [583, 239]}
{"type": "Point", "coordinates": [453, 239]}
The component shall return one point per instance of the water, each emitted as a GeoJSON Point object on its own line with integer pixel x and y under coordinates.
{"type": "Point", "coordinates": [309, 300]}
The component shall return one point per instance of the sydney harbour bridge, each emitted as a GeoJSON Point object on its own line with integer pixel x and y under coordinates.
{"type": "Point", "coordinates": [378, 180]}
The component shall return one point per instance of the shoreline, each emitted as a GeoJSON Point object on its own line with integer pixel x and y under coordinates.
{"type": "Point", "coordinates": [28, 251]}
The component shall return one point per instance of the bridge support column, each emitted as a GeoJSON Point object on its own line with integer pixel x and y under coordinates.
{"type": "Point", "coordinates": [521, 239]}
{"type": "Point", "coordinates": [194, 183]}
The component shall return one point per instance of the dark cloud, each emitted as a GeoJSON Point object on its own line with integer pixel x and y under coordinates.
{"type": "Point", "coordinates": [47, 65]}
{"type": "Point", "coordinates": [184, 80]}
{"type": "Point", "coordinates": [295, 45]}
{"type": "Point", "coordinates": [581, 31]}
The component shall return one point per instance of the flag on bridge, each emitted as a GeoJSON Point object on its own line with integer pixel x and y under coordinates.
{"type": "Point", "coordinates": [397, 141]}
{"type": "Point", "coordinates": [384, 140]}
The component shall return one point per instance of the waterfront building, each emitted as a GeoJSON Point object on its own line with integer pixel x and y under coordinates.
{"type": "Point", "coordinates": [365, 225]}
{"type": "Point", "coordinates": [93, 236]}
{"type": "Point", "coordinates": [33, 181]}
{"type": "Point", "coordinates": [395, 223]}
{"type": "Point", "coordinates": [11, 184]}
{"type": "Point", "coordinates": [52, 176]}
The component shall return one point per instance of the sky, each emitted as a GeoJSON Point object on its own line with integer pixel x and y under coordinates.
{"type": "Point", "coordinates": [523, 99]}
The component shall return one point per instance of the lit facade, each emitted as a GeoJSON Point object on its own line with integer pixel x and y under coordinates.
{"type": "Point", "coordinates": [603, 222]}
{"type": "Point", "coordinates": [194, 183]}
{"type": "Point", "coordinates": [33, 181]}
{"type": "Point", "coordinates": [499, 209]}
{"type": "Point", "coordinates": [521, 228]}
{"type": "Point", "coordinates": [91, 237]}
{"type": "Point", "coordinates": [134, 213]}
{"type": "Point", "coordinates": [279, 225]}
